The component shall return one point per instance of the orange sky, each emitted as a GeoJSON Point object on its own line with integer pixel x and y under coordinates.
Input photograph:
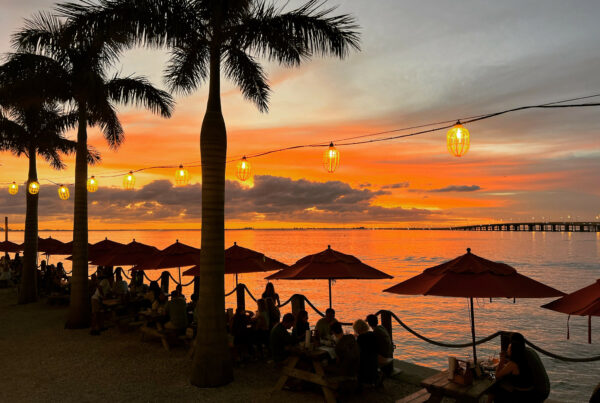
{"type": "Point", "coordinates": [528, 164]}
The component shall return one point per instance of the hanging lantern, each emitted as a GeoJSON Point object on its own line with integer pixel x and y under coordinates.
{"type": "Point", "coordinates": [182, 176]}
{"type": "Point", "coordinates": [92, 184]}
{"type": "Point", "coordinates": [13, 188]}
{"type": "Point", "coordinates": [243, 169]}
{"type": "Point", "coordinates": [458, 140]}
{"type": "Point", "coordinates": [33, 187]}
{"type": "Point", "coordinates": [129, 181]}
{"type": "Point", "coordinates": [63, 192]}
{"type": "Point", "coordinates": [331, 158]}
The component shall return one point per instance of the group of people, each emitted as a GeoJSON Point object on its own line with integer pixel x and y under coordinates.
{"type": "Point", "coordinates": [10, 270]}
{"type": "Point", "coordinates": [52, 279]}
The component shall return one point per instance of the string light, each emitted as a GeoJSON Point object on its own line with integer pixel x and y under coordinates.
{"type": "Point", "coordinates": [243, 169]}
{"type": "Point", "coordinates": [13, 188]}
{"type": "Point", "coordinates": [63, 192]}
{"type": "Point", "coordinates": [331, 158]}
{"type": "Point", "coordinates": [182, 176]}
{"type": "Point", "coordinates": [92, 184]}
{"type": "Point", "coordinates": [33, 187]}
{"type": "Point", "coordinates": [129, 181]}
{"type": "Point", "coordinates": [458, 139]}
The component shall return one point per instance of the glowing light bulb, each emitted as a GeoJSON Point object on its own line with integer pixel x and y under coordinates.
{"type": "Point", "coordinates": [63, 192]}
{"type": "Point", "coordinates": [331, 158]}
{"type": "Point", "coordinates": [92, 184]}
{"type": "Point", "coordinates": [13, 188]}
{"type": "Point", "coordinates": [129, 181]}
{"type": "Point", "coordinates": [458, 140]}
{"type": "Point", "coordinates": [182, 176]}
{"type": "Point", "coordinates": [243, 169]}
{"type": "Point", "coordinates": [33, 187]}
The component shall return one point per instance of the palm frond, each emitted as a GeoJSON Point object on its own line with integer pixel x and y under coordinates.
{"type": "Point", "coordinates": [140, 92]}
{"type": "Point", "coordinates": [188, 66]}
{"type": "Point", "coordinates": [104, 115]}
{"type": "Point", "coordinates": [249, 76]}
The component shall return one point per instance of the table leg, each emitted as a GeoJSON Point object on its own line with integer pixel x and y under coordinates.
{"type": "Point", "coordinates": [284, 377]}
{"type": "Point", "coordinates": [327, 392]}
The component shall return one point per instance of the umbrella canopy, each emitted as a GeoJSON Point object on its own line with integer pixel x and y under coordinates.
{"type": "Point", "coordinates": [472, 276]}
{"type": "Point", "coordinates": [329, 265]}
{"type": "Point", "coordinates": [175, 255]}
{"type": "Point", "coordinates": [8, 246]}
{"type": "Point", "coordinates": [240, 260]}
{"type": "Point", "coordinates": [583, 302]}
{"type": "Point", "coordinates": [67, 249]}
{"type": "Point", "coordinates": [50, 246]}
{"type": "Point", "coordinates": [125, 255]}
{"type": "Point", "coordinates": [99, 249]}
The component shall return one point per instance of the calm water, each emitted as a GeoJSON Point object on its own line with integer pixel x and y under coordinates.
{"type": "Point", "coordinates": [566, 261]}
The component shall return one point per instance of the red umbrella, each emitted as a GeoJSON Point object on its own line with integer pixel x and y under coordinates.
{"type": "Point", "coordinates": [50, 246]}
{"type": "Point", "coordinates": [583, 302]}
{"type": "Point", "coordinates": [176, 255]}
{"type": "Point", "coordinates": [240, 260]}
{"type": "Point", "coordinates": [329, 265]}
{"type": "Point", "coordinates": [8, 246]}
{"type": "Point", "coordinates": [99, 249]}
{"type": "Point", "coordinates": [125, 255]}
{"type": "Point", "coordinates": [67, 249]}
{"type": "Point", "coordinates": [472, 276]}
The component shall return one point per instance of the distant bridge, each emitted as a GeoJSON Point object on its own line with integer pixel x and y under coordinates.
{"type": "Point", "coordinates": [557, 226]}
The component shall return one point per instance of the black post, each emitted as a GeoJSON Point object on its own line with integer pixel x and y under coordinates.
{"type": "Point", "coordinates": [386, 322]}
{"type": "Point", "coordinates": [6, 232]}
{"type": "Point", "coordinates": [197, 285]}
{"type": "Point", "coordinates": [297, 304]}
{"type": "Point", "coordinates": [241, 296]}
{"type": "Point", "coordinates": [330, 293]}
{"type": "Point", "coordinates": [473, 334]}
{"type": "Point", "coordinates": [164, 282]}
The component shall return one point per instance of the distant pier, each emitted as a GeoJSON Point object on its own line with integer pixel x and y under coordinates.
{"type": "Point", "coordinates": [565, 226]}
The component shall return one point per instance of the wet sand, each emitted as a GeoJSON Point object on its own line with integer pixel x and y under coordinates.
{"type": "Point", "coordinates": [42, 362]}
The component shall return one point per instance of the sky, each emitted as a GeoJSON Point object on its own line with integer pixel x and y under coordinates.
{"type": "Point", "coordinates": [420, 62]}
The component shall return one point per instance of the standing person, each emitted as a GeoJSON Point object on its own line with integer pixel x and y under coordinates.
{"type": "Point", "coordinates": [385, 348]}
{"type": "Point", "coordinates": [367, 344]}
{"type": "Point", "coordinates": [270, 293]}
{"type": "Point", "coordinates": [323, 326]}
{"type": "Point", "coordinates": [301, 326]}
{"type": "Point", "coordinates": [280, 339]}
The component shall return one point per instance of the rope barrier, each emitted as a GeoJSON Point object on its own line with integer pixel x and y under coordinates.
{"type": "Point", "coordinates": [185, 285]}
{"type": "Point", "coordinates": [560, 357]}
{"type": "Point", "coordinates": [173, 278]}
{"type": "Point", "coordinates": [230, 292]}
{"type": "Point", "coordinates": [249, 293]}
{"type": "Point", "coordinates": [313, 307]}
{"type": "Point", "coordinates": [285, 303]}
{"type": "Point", "coordinates": [125, 274]}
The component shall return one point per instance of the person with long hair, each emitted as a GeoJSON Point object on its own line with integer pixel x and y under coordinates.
{"type": "Point", "coordinates": [514, 381]}
{"type": "Point", "coordinates": [270, 293]}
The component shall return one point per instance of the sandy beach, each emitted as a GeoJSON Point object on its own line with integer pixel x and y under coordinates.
{"type": "Point", "coordinates": [42, 362]}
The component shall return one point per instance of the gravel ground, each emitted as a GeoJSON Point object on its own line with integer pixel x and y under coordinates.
{"type": "Point", "coordinates": [42, 362]}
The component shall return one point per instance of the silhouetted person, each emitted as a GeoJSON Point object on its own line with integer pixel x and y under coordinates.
{"type": "Point", "coordinates": [367, 344]}
{"type": "Point", "coordinates": [301, 326]}
{"type": "Point", "coordinates": [270, 293]}
{"type": "Point", "coordinates": [280, 339]}
{"type": "Point", "coordinates": [347, 353]}
{"type": "Point", "coordinates": [323, 326]}
{"type": "Point", "coordinates": [385, 348]}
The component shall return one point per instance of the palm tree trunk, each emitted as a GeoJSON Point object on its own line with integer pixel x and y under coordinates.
{"type": "Point", "coordinates": [28, 287]}
{"type": "Point", "coordinates": [212, 361]}
{"type": "Point", "coordinates": [80, 308]}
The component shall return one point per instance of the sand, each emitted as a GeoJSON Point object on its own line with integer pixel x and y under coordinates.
{"type": "Point", "coordinates": [43, 362]}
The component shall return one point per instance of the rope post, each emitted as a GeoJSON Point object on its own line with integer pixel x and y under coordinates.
{"type": "Point", "coordinates": [297, 304]}
{"type": "Point", "coordinates": [241, 296]}
{"type": "Point", "coordinates": [386, 322]}
{"type": "Point", "coordinates": [197, 285]}
{"type": "Point", "coordinates": [139, 275]}
{"type": "Point", "coordinates": [164, 282]}
{"type": "Point", "coordinates": [6, 232]}
{"type": "Point", "coordinates": [504, 340]}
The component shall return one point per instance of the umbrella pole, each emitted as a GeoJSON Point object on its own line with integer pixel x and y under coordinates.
{"type": "Point", "coordinates": [236, 279]}
{"type": "Point", "coordinates": [473, 334]}
{"type": "Point", "coordinates": [589, 329]}
{"type": "Point", "coordinates": [330, 293]}
{"type": "Point", "coordinates": [179, 268]}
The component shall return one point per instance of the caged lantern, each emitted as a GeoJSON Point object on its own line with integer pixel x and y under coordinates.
{"type": "Point", "coordinates": [458, 138]}
{"type": "Point", "coordinates": [182, 176]}
{"type": "Point", "coordinates": [92, 184]}
{"type": "Point", "coordinates": [129, 181]}
{"type": "Point", "coordinates": [33, 187]}
{"type": "Point", "coordinates": [331, 158]}
{"type": "Point", "coordinates": [63, 192]}
{"type": "Point", "coordinates": [243, 169]}
{"type": "Point", "coordinates": [13, 188]}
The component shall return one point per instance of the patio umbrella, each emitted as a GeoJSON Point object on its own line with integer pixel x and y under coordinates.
{"type": "Point", "coordinates": [125, 255]}
{"type": "Point", "coordinates": [50, 246]}
{"type": "Point", "coordinates": [176, 255]}
{"type": "Point", "coordinates": [472, 276]}
{"type": "Point", "coordinates": [98, 249]}
{"type": "Point", "coordinates": [583, 302]}
{"type": "Point", "coordinates": [8, 246]}
{"type": "Point", "coordinates": [240, 260]}
{"type": "Point", "coordinates": [329, 265]}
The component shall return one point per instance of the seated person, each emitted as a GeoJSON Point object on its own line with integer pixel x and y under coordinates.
{"type": "Point", "coordinates": [301, 326]}
{"type": "Point", "coordinates": [347, 353]}
{"type": "Point", "coordinates": [106, 284]}
{"type": "Point", "coordinates": [120, 285]}
{"type": "Point", "coordinates": [514, 381]}
{"type": "Point", "coordinates": [160, 303]}
{"type": "Point", "coordinates": [176, 310]}
{"type": "Point", "coordinates": [367, 343]}
{"type": "Point", "coordinates": [240, 331]}
{"type": "Point", "coordinates": [179, 291]}
{"type": "Point", "coordinates": [97, 319]}
{"type": "Point", "coordinates": [385, 348]}
{"type": "Point", "coordinates": [323, 326]}
{"type": "Point", "coordinates": [261, 324]}
{"type": "Point", "coordinates": [280, 339]}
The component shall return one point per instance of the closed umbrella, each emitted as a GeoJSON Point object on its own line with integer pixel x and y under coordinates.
{"type": "Point", "coordinates": [329, 265]}
{"type": "Point", "coordinates": [583, 302]}
{"type": "Point", "coordinates": [240, 260]}
{"type": "Point", "coordinates": [176, 255]}
{"type": "Point", "coordinates": [125, 255]}
{"type": "Point", "coordinates": [471, 276]}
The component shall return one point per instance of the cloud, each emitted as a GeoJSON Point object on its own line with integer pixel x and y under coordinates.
{"type": "Point", "coordinates": [456, 188]}
{"type": "Point", "coordinates": [399, 185]}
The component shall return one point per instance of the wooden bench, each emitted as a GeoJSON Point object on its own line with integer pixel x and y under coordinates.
{"type": "Point", "coordinates": [418, 397]}
{"type": "Point", "coordinates": [149, 331]}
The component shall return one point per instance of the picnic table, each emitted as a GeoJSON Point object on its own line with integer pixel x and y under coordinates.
{"type": "Point", "coordinates": [440, 386]}
{"type": "Point", "coordinates": [316, 377]}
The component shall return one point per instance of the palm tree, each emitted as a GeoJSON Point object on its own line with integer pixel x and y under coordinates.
{"type": "Point", "coordinates": [81, 61]}
{"type": "Point", "coordinates": [207, 38]}
{"type": "Point", "coordinates": [31, 124]}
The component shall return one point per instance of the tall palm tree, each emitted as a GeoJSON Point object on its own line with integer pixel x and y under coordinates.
{"type": "Point", "coordinates": [207, 38]}
{"type": "Point", "coordinates": [31, 124]}
{"type": "Point", "coordinates": [81, 59]}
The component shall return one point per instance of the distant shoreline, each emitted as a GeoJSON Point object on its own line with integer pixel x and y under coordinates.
{"type": "Point", "coordinates": [243, 229]}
